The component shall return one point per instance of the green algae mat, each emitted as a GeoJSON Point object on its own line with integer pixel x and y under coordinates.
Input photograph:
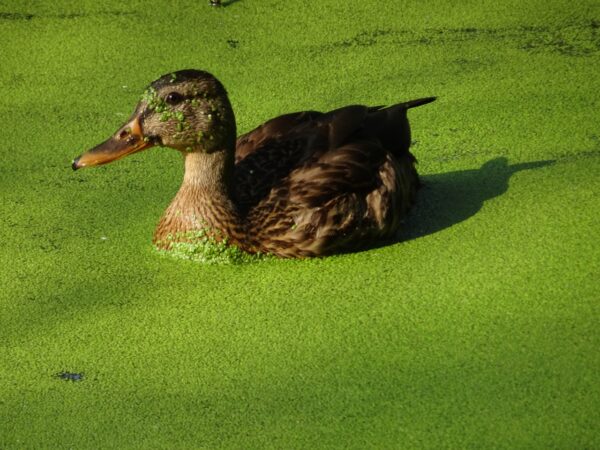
{"type": "Point", "coordinates": [479, 329]}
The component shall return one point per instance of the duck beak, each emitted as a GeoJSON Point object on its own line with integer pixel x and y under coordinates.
{"type": "Point", "coordinates": [127, 140]}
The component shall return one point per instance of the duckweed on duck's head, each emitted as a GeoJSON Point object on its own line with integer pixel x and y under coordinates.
{"type": "Point", "coordinates": [189, 111]}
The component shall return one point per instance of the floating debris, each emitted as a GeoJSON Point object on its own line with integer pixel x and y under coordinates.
{"type": "Point", "coordinates": [70, 376]}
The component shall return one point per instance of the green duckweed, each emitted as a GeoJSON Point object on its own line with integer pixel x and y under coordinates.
{"type": "Point", "coordinates": [201, 246]}
{"type": "Point", "coordinates": [154, 101]}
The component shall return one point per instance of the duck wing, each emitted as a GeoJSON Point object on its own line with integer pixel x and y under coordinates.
{"type": "Point", "coordinates": [312, 182]}
{"type": "Point", "coordinates": [274, 129]}
{"type": "Point", "coordinates": [267, 154]}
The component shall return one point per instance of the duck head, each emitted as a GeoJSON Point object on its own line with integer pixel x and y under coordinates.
{"type": "Point", "coordinates": [186, 110]}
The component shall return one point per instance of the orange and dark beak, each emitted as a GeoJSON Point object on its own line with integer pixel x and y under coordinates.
{"type": "Point", "coordinates": [129, 139]}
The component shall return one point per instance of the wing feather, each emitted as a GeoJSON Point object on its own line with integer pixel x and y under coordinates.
{"type": "Point", "coordinates": [310, 182]}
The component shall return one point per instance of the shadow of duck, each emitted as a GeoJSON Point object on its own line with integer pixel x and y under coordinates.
{"type": "Point", "coordinates": [450, 198]}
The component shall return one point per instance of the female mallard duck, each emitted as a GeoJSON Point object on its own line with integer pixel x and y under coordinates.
{"type": "Point", "coordinates": [301, 184]}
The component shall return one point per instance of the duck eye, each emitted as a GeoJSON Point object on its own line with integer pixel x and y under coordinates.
{"type": "Point", "coordinates": [174, 98]}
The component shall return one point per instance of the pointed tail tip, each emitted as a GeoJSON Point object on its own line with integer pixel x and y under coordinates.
{"type": "Point", "coordinates": [418, 102]}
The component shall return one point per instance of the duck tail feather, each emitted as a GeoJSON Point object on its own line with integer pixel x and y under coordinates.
{"type": "Point", "coordinates": [417, 102]}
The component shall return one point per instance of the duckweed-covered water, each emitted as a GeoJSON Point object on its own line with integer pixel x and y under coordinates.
{"type": "Point", "coordinates": [478, 330]}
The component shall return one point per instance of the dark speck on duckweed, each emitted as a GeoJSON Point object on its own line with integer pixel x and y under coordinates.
{"type": "Point", "coordinates": [70, 376]}
{"type": "Point", "coordinates": [201, 246]}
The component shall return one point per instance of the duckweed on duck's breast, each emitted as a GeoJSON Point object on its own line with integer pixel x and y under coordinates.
{"type": "Point", "coordinates": [202, 246]}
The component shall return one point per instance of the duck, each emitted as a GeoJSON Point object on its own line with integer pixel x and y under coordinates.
{"type": "Point", "coordinates": [303, 184]}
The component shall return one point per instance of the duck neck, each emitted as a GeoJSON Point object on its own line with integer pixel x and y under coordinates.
{"type": "Point", "coordinates": [203, 202]}
{"type": "Point", "coordinates": [207, 172]}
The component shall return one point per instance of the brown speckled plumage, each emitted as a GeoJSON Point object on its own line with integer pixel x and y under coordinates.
{"type": "Point", "coordinates": [302, 184]}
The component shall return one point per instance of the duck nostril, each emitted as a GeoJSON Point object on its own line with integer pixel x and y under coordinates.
{"type": "Point", "coordinates": [124, 133]}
